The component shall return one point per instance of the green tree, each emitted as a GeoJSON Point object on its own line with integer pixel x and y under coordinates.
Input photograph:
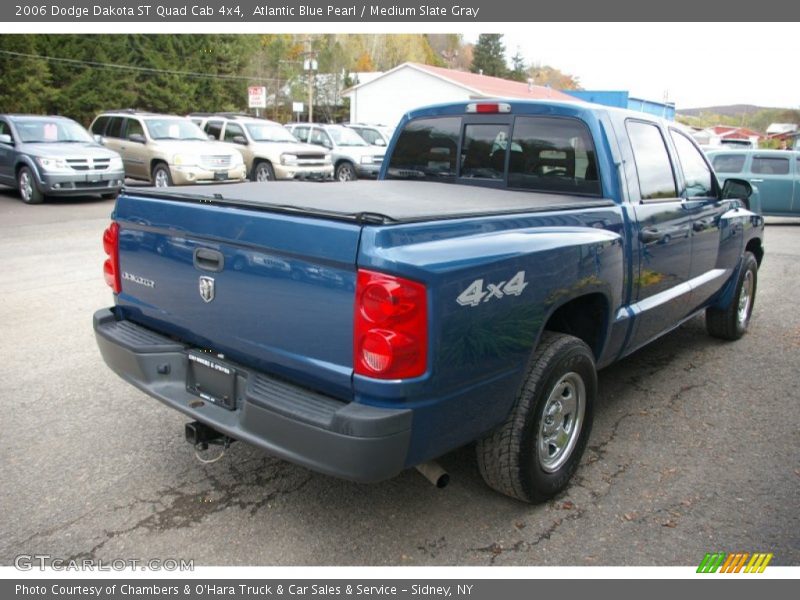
{"type": "Point", "coordinates": [27, 80]}
{"type": "Point", "coordinates": [489, 55]}
{"type": "Point", "coordinates": [519, 70]}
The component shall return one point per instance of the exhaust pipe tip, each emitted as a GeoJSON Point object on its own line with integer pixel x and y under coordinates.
{"type": "Point", "coordinates": [433, 472]}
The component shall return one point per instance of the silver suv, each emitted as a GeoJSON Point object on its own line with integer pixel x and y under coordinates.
{"type": "Point", "coordinates": [270, 152]}
{"type": "Point", "coordinates": [54, 156]}
{"type": "Point", "coordinates": [352, 156]}
{"type": "Point", "coordinates": [166, 149]}
{"type": "Point", "coordinates": [377, 135]}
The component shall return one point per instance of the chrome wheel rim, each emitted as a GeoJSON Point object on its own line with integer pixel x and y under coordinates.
{"type": "Point", "coordinates": [345, 174]}
{"type": "Point", "coordinates": [262, 173]}
{"type": "Point", "coordinates": [161, 178]}
{"type": "Point", "coordinates": [745, 298]}
{"type": "Point", "coordinates": [561, 422]}
{"type": "Point", "coordinates": [25, 186]}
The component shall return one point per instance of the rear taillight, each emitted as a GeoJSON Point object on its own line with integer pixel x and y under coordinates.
{"type": "Point", "coordinates": [391, 327]}
{"type": "Point", "coordinates": [111, 266]}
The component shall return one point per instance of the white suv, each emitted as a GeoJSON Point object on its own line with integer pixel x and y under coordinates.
{"type": "Point", "coordinates": [270, 151]}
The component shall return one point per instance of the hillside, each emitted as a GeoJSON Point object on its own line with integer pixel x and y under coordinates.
{"type": "Point", "coordinates": [732, 110]}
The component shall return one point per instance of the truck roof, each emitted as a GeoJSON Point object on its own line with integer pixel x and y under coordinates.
{"type": "Point", "coordinates": [379, 202]}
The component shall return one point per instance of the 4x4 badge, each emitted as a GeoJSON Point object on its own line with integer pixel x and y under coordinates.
{"type": "Point", "coordinates": [206, 287]}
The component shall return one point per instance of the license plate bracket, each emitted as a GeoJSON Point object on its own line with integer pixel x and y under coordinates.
{"type": "Point", "coordinates": [220, 175]}
{"type": "Point", "coordinates": [211, 379]}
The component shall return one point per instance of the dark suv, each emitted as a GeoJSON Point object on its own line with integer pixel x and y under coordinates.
{"type": "Point", "coordinates": [54, 156]}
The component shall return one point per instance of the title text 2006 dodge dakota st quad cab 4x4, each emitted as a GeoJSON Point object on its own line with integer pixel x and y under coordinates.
{"type": "Point", "coordinates": [509, 251]}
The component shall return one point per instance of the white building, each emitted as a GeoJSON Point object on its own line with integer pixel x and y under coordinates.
{"type": "Point", "coordinates": [386, 98]}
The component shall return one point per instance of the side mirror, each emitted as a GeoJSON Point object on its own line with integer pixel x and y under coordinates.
{"type": "Point", "coordinates": [98, 138]}
{"type": "Point", "coordinates": [240, 139]}
{"type": "Point", "coordinates": [138, 138]}
{"type": "Point", "coordinates": [380, 142]}
{"type": "Point", "coordinates": [737, 189]}
{"type": "Point", "coordinates": [5, 139]}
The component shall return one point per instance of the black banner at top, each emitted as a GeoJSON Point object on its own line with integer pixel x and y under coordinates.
{"type": "Point", "coordinates": [397, 11]}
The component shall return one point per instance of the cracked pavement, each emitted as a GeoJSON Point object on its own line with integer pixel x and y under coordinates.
{"type": "Point", "coordinates": [695, 446]}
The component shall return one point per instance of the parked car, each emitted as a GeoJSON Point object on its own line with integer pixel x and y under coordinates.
{"type": "Point", "coordinates": [166, 149]}
{"type": "Point", "coordinates": [352, 156]}
{"type": "Point", "coordinates": [377, 135]}
{"type": "Point", "coordinates": [270, 151]}
{"type": "Point", "coordinates": [54, 156]}
{"type": "Point", "coordinates": [774, 175]}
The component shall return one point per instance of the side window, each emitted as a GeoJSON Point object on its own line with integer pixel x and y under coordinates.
{"type": "Point", "coordinates": [114, 128]}
{"type": "Point", "coordinates": [134, 126]}
{"type": "Point", "coordinates": [320, 138]}
{"type": "Point", "coordinates": [728, 163]}
{"type": "Point", "coordinates": [656, 179]}
{"type": "Point", "coordinates": [5, 129]}
{"type": "Point", "coordinates": [369, 135]}
{"type": "Point", "coordinates": [426, 148]}
{"type": "Point", "coordinates": [232, 130]}
{"type": "Point", "coordinates": [699, 182]}
{"type": "Point", "coordinates": [553, 155]}
{"type": "Point", "coordinates": [214, 128]}
{"type": "Point", "coordinates": [301, 133]}
{"type": "Point", "coordinates": [770, 165]}
{"type": "Point", "coordinates": [99, 125]}
{"type": "Point", "coordinates": [483, 152]}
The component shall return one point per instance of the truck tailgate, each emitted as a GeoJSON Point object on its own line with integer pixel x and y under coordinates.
{"type": "Point", "coordinates": [272, 291]}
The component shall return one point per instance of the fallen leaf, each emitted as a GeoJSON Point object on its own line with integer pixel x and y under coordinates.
{"type": "Point", "coordinates": [629, 516]}
{"type": "Point", "coordinates": [568, 505]}
{"type": "Point", "coordinates": [519, 525]}
{"type": "Point", "coordinates": [670, 524]}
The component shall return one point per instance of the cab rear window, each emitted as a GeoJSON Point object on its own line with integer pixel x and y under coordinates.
{"type": "Point", "coordinates": [546, 154]}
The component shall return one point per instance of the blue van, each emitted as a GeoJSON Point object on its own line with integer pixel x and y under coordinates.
{"type": "Point", "coordinates": [774, 174]}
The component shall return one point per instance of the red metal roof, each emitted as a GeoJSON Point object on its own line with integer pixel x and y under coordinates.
{"type": "Point", "coordinates": [729, 132]}
{"type": "Point", "coordinates": [496, 87]}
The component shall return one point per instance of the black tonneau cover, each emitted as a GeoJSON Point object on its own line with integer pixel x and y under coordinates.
{"type": "Point", "coordinates": [374, 201]}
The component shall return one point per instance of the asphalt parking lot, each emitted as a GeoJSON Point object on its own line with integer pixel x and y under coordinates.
{"type": "Point", "coordinates": [695, 447]}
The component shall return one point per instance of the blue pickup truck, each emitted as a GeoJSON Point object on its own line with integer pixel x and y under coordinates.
{"type": "Point", "coordinates": [509, 251]}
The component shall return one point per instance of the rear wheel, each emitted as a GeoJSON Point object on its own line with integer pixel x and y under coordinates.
{"type": "Point", "coordinates": [535, 452]}
{"type": "Point", "coordinates": [731, 322]}
{"type": "Point", "coordinates": [28, 189]}
{"type": "Point", "coordinates": [161, 176]}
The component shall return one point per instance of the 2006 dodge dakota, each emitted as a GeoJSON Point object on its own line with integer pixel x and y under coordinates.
{"type": "Point", "coordinates": [509, 250]}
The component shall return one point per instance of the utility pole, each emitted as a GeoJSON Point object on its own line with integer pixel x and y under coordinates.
{"type": "Point", "coordinates": [310, 65]}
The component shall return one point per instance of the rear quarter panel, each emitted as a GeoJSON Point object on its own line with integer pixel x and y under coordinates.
{"type": "Point", "coordinates": [477, 354]}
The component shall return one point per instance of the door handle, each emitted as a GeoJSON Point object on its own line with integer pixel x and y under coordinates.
{"type": "Point", "coordinates": [756, 181]}
{"type": "Point", "coordinates": [207, 259]}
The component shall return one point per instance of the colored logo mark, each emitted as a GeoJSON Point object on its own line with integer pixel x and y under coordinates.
{"type": "Point", "coordinates": [735, 563]}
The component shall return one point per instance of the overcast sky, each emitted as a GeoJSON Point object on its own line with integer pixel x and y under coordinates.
{"type": "Point", "coordinates": [696, 64]}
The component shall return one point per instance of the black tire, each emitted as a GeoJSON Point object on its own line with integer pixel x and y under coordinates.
{"type": "Point", "coordinates": [731, 322]}
{"type": "Point", "coordinates": [160, 176]}
{"type": "Point", "coordinates": [515, 459]}
{"type": "Point", "coordinates": [28, 189]}
{"type": "Point", "coordinates": [263, 171]}
{"type": "Point", "coordinates": [345, 171]}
